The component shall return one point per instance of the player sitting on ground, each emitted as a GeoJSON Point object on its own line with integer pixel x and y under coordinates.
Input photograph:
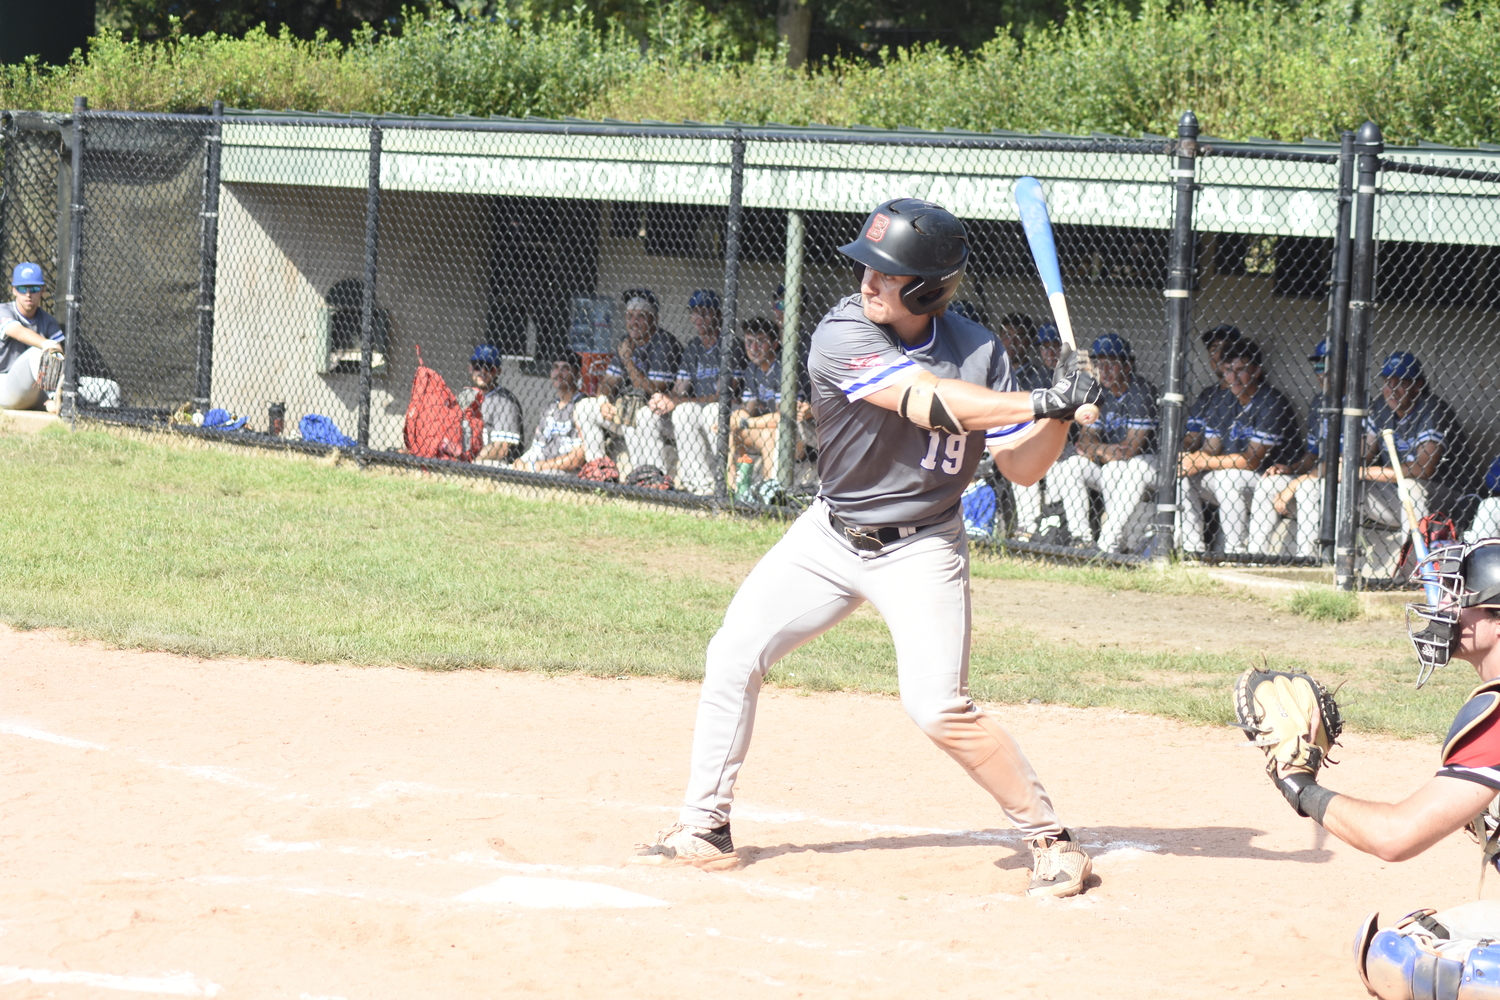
{"type": "Point", "coordinates": [30, 343]}
{"type": "Point", "coordinates": [498, 405]}
{"type": "Point", "coordinates": [906, 396]}
{"type": "Point", "coordinates": [1429, 955]}
{"type": "Point", "coordinates": [556, 445]}
{"type": "Point", "coordinates": [1116, 455]}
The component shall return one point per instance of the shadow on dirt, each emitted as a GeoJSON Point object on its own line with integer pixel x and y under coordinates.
{"type": "Point", "coordinates": [1193, 841]}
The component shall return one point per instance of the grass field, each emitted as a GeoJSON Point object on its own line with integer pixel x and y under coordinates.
{"type": "Point", "coordinates": [173, 545]}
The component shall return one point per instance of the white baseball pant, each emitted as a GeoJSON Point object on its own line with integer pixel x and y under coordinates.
{"type": "Point", "coordinates": [696, 427]}
{"type": "Point", "coordinates": [810, 581]}
{"type": "Point", "coordinates": [1123, 483]}
{"type": "Point", "coordinates": [1028, 507]}
{"type": "Point", "coordinates": [1380, 503]}
{"type": "Point", "coordinates": [1263, 516]}
{"type": "Point", "coordinates": [645, 439]}
{"type": "Point", "coordinates": [1486, 522]}
{"type": "Point", "coordinates": [1231, 489]}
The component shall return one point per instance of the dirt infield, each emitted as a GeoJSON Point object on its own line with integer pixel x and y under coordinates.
{"type": "Point", "coordinates": [268, 829]}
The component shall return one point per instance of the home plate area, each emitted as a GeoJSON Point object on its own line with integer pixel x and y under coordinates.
{"type": "Point", "coordinates": [234, 828]}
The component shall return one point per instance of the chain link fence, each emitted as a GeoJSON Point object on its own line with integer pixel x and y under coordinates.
{"type": "Point", "coordinates": [628, 308]}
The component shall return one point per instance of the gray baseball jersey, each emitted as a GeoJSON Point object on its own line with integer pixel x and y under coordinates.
{"type": "Point", "coordinates": [877, 468]}
{"type": "Point", "coordinates": [42, 323]}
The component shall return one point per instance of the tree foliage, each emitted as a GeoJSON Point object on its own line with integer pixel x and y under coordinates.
{"type": "Point", "coordinates": [1247, 68]}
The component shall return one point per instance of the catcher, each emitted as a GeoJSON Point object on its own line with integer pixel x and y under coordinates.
{"type": "Point", "coordinates": [1455, 954]}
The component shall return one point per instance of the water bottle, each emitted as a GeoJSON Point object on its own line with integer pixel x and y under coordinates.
{"type": "Point", "coordinates": [743, 491]}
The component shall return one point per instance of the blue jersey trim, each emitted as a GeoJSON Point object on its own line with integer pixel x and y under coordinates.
{"type": "Point", "coordinates": [857, 390]}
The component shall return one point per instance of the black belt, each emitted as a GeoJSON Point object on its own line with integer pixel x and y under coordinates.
{"type": "Point", "coordinates": [868, 539]}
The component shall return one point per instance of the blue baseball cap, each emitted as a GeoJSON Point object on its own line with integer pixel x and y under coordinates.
{"type": "Point", "coordinates": [1320, 352]}
{"type": "Point", "coordinates": [27, 274]}
{"type": "Point", "coordinates": [704, 298]}
{"type": "Point", "coordinates": [1112, 345]}
{"type": "Point", "coordinates": [1047, 334]}
{"type": "Point", "coordinates": [486, 354]}
{"type": "Point", "coordinates": [1401, 364]}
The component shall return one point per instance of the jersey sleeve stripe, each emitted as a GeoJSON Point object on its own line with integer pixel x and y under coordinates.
{"type": "Point", "coordinates": [997, 433]}
{"type": "Point", "coordinates": [1487, 776]}
{"type": "Point", "coordinates": [859, 388]}
{"type": "Point", "coordinates": [507, 436]}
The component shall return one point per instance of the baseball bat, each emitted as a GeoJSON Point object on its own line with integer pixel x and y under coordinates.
{"type": "Point", "coordinates": [1409, 511]}
{"type": "Point", "coordinates": [1032, 205]}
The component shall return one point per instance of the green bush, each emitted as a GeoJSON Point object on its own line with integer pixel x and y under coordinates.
{"type": "Point", "coordinates": [1254, 68]}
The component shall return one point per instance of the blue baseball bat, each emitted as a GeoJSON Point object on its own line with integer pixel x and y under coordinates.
{"type": "Point", "coordinates": [1032, 205]}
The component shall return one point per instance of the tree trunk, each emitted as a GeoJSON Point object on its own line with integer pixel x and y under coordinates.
{"type": "Point", "coordinates": [794, 25]}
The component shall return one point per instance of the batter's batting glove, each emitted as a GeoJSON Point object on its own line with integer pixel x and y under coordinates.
{"type": "Point", "coordinates": [1069, 361]}
{"type": "Point", "coordinates": [1063, 400]}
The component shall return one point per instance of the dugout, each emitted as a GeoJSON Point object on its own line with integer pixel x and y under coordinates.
{"type": "Point", "coordinates": [495, 236]}
{"type": "Point", "coordinates": [523, 234]}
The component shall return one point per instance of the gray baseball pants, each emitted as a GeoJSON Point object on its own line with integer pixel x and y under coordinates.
{"type": "Point", "coordinates": [809, 582]}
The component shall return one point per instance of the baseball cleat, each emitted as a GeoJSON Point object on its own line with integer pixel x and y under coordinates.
{"type": "Point", "coordinates": [1059, 866]}
{"type": "Point", "coordinates": [677, 845]}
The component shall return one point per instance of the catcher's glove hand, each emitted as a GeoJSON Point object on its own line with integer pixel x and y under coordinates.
{"type": "Point", "coordinates": [1294, 720]}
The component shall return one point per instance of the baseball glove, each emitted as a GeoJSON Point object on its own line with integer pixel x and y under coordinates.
{"type": "Point", "coordinates": [1290, 716]}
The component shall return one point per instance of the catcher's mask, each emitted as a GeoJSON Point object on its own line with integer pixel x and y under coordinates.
{"type": "Point", "coordinates": [1454, 576]}
{"type": "Point", "coordinates": [911, 236]}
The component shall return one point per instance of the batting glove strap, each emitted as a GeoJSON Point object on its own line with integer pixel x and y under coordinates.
{"type": "Point", "coordinates": [1062, 400]}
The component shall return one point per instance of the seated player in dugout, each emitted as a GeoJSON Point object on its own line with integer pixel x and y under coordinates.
{"type": "Point", "coordinates": [1116, 455]}
{"type": "Point", "coordinates": [906, 397]}
{"type": "Point", "coordinates": [754, 427]}
{"type": "Point", "coordinates": [1448, 955]}
{"type": "Point", "coordinates": [1015, 327]}
{"type": "Point", "coordinates": [498, 406]}
{"type": "Point", "coordinates": [30, 344]}
{"type": "Point", "coordinates": [645, 364]}
{"type": "Point", "coordinates": [693, 402]}
{"type": "Point", "coordinates": [1215, 397]}
{"type": "Point", "coordinates": [1295, 489]}
{"type": "Point", "coordinates": [1434, 453]}
{"type": "Point", "coordinates": [1254, 428]}
{"type": "Point", "coordinates": [556, 445]}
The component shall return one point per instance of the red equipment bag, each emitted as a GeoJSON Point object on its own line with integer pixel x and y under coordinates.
{"type": "Point", "coordinates": [435, 423]}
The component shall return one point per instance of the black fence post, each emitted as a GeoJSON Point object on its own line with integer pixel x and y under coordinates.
{"type": "Point", "coordinates": [367, 300]}
{"type": "Point", "coordinates": [1337, 358]}
{"type": "Point", "coordinates": [1368, 145]}
{"type": "Point", "coordinates": [209, 259]}
{"type": "Point", "coordinates": [69, 392]}
{"type": "Point", "coordinates": [1179, 308]}
{"type": "Point", "coordinates": [728, 321]}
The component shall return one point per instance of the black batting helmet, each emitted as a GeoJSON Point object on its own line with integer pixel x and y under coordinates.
{"type": "Point", "coordinates": [911, 236]}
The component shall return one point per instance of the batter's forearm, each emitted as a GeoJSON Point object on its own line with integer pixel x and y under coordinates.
{"type": "Point", "coordinates": [1026, 461]}
{"type": "Point", "coordinates": [978, 408]}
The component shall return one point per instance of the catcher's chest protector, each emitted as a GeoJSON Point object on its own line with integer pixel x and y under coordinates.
{"type": "Point", "coordinates": [1471, 721]}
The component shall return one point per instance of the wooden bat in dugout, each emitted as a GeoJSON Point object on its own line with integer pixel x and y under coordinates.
{"type": "Point", "coordinates": [1038, 225]}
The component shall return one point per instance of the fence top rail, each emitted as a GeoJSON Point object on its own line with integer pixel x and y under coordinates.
{"type": "Point", "coordinates": [1431, 170]}
{"type": "Point", "coordinates": [1310, 151]}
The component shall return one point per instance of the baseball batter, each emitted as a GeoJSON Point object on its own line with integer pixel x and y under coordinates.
{"type": "Point", "coordinates": [906, 396]}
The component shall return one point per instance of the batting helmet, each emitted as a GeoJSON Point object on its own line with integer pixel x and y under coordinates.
{"type": "Point", "coordinates": [1465, 576]}
{"type": "Point", "coordinates": [909, 236]}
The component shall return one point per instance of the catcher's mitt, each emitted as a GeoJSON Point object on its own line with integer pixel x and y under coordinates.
{"type": "Point", "coordinates": [1290, 716]}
